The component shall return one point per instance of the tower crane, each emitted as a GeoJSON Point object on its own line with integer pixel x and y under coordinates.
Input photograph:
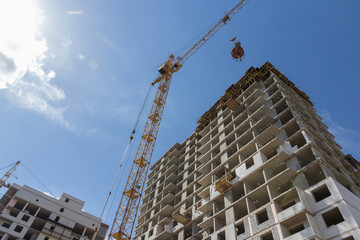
{"type": "Point", "coordinates": [8, 174]}
{"type": "Point", "coordinates": [125, 217]}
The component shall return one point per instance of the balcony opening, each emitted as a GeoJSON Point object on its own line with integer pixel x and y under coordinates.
{"type": "Point", "coordinates": [14, 212]}
{"type": "Point", "coordinates": [314, 174]}
{"type": "Point", "coordinates": [188, 232]}
{"type": "Point", "coordinates": [240, 229]}
{"type": "Point", "coordinates": [220, 221]}
{"type": "Point", "coordinates": [297, 140]}
{"type": "Point", "coordinates": [267, 236]}
{"type": "Point", "coordinates": [292, 128]}
{"type": "Point", "coordinates": [240, 210]}
{"type": "Point", "coordinates": [333, 217]}
{"type": "Point", "coordinates": [221, 236]}
{"type": "Point", "coordinates": [28, 236]}
{"type": "Point", "coordinates": [6, 224]}
{"type": "Point", "coordinates": [349, 238]}
{"type": "Point", "coordinates": [276, 98]}
{"type": "Point", "coordinates": [296, 229]}
{"type": "Point", "coordinates": [262, 216]}
{"type": "Point", "coordinates": [321, 193]}
{"type": "Point", "coordinates": [20, 204]}
{"type": "Point", "coordinates": [287, 205]}
{"type": "Point", "coordinates": [285, 117]}
{"type": "Point", "coordinates": [305, 157]}
{"type": "Point", "coordinates": [272, 90]}
{"type": "Point", "coordinates": [249, 163]}
{"type": "Point", "coordinates": [219, 204]}
{"type": "Point", "coordinates": [281, 106]}
{"type": "Point", "coordinates": [269, 82]}
{"type": "Point", "coordinates": [238, 192]}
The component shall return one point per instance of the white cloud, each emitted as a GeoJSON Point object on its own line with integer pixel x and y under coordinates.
{"type": "Point", "coordinates": [348, 139]}
{"type": "Point", "coordinates": [23, 48]}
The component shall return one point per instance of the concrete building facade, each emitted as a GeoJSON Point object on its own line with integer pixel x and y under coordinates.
{"type": "Point", "coordinates": [26, 213]}
{"type": "Point", "coordinates": [266, 169]}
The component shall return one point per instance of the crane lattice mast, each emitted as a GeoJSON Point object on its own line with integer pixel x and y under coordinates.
{"type": "Point", "coordinates": [8, 174]}
{"type": "Point", "coordinates": [125, 217]}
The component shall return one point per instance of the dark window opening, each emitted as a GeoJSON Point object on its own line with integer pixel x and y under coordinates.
{"type": "Point", "coordinates": [25, 218]}
{"type": "Point", "coordinates": [333, 217]}
{"type": "Point", "coordinates": [14, 212]}
{"type": "Point", "coordinates": [296, 229]}
{"type": "Point", "coordinates": [18, 228]}
{"type": "Point", "coordinates": [267, 236]}
{"type": "Point", "coordinates": [221, 236]}
{"type": "Point", "coordinates": [151, 233]}
{"type": "Point", "coordinates": [349, 238]}
{"type": "Point", "coordinates": [67, 200]}
{"type": "Point", "coordinates": [240, 229]}
{"type": "Point", "coordinates": [321, 193]}
{"type": "Point", "coordinates": [46, 238]}
{"type": "Point", "coordinates": [28, 236]}
{"type": "Point", "coordinates": [287, 205]}
{"type": "Point", "coordinates": [249, 163]}
{"type": "Point", "coordinates": [57, 219]}
{"type": "Point", "coordinates": [61, 209]}
{"type": "Point", "coordinates": [52, 228]}
{"type": "Point", "coordinates": [6, 225]}
{"type": "Point", "coordinates": [262, 216]}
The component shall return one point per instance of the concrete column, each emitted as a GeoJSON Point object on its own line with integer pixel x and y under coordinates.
{"type": "Point", "coordinates": [11, 203]}
{"type": "Point", "coordinates": [5, 236]}
{"type": "Point", "coordinates": [278, 228]}
{"type": "Point", "coordinates": [84, 231]}
{"type": "Point", "coordinates": [37, 212]}
{"type": "Point", "coordinates": [25, 206]}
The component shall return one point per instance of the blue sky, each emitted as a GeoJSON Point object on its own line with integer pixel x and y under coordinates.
{"type": "Point", "coordinates": [74, 73]}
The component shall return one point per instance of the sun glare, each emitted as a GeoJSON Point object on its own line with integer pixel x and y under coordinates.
{"type": "Point", "coordinates": [20, 40]}
{"type": "Point", "coordinates": [18, 19]}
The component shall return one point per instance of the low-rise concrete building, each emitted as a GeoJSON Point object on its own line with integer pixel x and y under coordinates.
{"type": "Point", "coordinates": [26, 213]}
{"type": "Point", "coordinates": [263, 167]}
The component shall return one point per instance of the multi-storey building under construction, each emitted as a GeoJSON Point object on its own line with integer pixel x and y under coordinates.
{"type": "Point", "coordinates": [26, 213]}
{"type": "Point", "coordinates": [261, 165]}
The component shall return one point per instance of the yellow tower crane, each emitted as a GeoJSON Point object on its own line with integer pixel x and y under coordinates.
{"type": "Point", "coordinates": [125, 217]}
{"type": "Point", "coordinates": [8, 174]}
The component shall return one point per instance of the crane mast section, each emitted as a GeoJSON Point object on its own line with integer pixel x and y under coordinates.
{"type": "Point", "coordinates": [127, 211]}
{"type": "Point", "coordinates": [211, 33]}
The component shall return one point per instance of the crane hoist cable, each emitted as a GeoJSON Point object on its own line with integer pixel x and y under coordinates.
{"type": "Point", "coordinates": [132, 136]}
{"type": "Point", "coordinates": [126, 213]}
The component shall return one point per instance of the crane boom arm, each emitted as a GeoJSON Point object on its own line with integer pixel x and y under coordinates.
{"type": "Point", "coordinates": [211, 33]}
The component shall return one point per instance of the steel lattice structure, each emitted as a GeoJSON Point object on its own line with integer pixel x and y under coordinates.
{"type": "Point", "coordinates": [125, 217]}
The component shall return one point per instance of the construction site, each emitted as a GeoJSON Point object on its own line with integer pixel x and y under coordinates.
{"type": "Point", "coordinates": [261, 164]}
